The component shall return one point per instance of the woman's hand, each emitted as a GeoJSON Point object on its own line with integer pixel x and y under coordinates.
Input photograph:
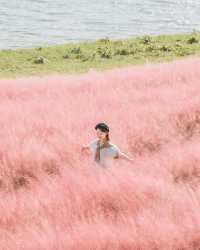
{"type": "Point", "coordinates": [130, 159]}
{"type": "Point", "coordinates": [84, 148]}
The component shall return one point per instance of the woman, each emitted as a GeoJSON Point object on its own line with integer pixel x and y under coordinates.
{"type": "Point", "coordinates": [102, 148]}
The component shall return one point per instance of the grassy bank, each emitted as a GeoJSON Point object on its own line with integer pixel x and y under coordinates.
{"type": "Point", "coordinates": [101, 54]}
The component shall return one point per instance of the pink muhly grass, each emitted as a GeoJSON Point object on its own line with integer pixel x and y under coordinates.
{"type": "Point", "coordinates": [55, 197]}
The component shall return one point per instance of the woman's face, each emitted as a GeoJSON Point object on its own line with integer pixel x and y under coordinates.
{"type": "Point", "coordinates": [101, 135]}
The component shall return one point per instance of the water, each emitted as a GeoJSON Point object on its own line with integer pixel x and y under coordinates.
{"type": "Point", "coordinates": [31, 23]}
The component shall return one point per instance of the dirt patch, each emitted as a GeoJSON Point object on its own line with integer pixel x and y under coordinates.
{"type": "Point", "coordinates": [187, 176]}
{"type": "Point", "coordinates": [188, 124]}
{"type": "Point", "coordinates": [51, 167]}
{"type": "Point", "coordinates": [140, 145]}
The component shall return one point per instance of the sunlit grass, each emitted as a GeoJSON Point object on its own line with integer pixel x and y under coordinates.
{"type": "Point", "coordinates": [102, 54]}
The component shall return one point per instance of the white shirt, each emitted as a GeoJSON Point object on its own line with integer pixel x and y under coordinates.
{"type": "Point", "coordinates": [105, 153]}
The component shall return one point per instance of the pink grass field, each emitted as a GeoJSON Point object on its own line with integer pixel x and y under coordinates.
{"type": "Point", "coordinates": [54, 197]}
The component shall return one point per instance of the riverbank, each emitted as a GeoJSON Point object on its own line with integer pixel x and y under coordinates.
{"type": "Point", "coordinates": [102, 54]}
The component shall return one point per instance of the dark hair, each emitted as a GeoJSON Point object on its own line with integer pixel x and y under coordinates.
{"type": "Point", "coordinates": [108, 137]}
{"type": "Point", "coordinates": [104, 128]}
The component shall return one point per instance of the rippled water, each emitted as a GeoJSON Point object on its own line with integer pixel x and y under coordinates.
{"type": "Point", "coordinates": [29, 23]}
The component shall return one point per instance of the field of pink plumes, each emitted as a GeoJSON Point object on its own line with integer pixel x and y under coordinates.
{"type": "Point", "coordinates": [53, 197]}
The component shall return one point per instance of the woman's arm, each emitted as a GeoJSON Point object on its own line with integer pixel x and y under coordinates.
{"type": "Point", "coordinates": [90, 145]}
{"type": "Point", "coordinates": [123, 156]}
{"type": "Point", "coordinates": [126, 157]}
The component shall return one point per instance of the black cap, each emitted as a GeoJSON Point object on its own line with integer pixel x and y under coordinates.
{"type": "Point", "coordinates": [102, 126]}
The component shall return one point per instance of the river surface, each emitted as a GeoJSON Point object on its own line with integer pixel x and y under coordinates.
{"type": "Point", "coordinates": [32, 23]}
